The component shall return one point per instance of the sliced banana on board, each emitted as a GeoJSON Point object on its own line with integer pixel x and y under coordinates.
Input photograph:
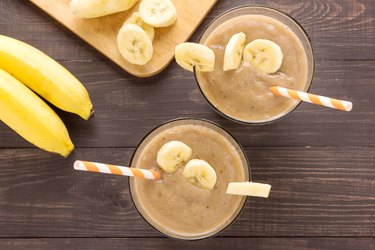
{"type": "Point", "coordinates": [98, 8]}
{"type": "Point", "coordinates": [158, 13]}
{"type": "Point", "coordinates": [190, 55]}
{"type": "Point", "coordinates": [137, 20]}
{"type": "Point", "coordinates": [134, 44]}
{"type": "Point", "coordinates": [173, 155]}
{"type": "Point", "coordinates": [200, 173]}
{"type": "Point", "coordinates": [249, 188]}
{"type": "Point", "coordinates": [233, 51]}
{"type": "Point", "coordinates": [264, 54]}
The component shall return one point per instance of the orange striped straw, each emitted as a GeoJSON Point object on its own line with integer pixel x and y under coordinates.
{"type": "Point", "coordinates": [117, 170]}
{"type": "Point", "coordinates": [311, 98]}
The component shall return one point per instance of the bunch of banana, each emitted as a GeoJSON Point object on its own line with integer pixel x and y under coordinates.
{"type": "Point", "coordinates": [24, 111]}
{"type": "Point", "coordinates": [175, 154]}
{"type": "Point", "coordinates": [264, 54]}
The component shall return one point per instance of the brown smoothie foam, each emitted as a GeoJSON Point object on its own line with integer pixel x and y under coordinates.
{"type": "Point", "coordinates": [175, 206]}
{"type": "Point", "coordinates": [244, 94]}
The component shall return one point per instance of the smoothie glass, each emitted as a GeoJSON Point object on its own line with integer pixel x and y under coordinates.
{"type": "Point", "coordinates": [170, 232]}
{"type": "Point", "coordinates": [292, 24]}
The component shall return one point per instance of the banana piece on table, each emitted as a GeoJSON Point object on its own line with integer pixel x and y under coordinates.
{"type": "Point", "coordinates": [173, 155]}
{"type": "Point", "coordinates": [24, 112]}
{"type": "Point", "coordinates": [137, 20]}
{"type": "Point", "coordinates": [134, 44]}
{"type": "Point", "coordinates": [98, 8]}
{"type": "Point", "coordinates": [249, 188]}
{"type": "Point", "coordinates": [190, 55]}
{"type": "Point", "coordinates": [233, 51]}
{"type": "Point", "coordinates": [264, 54]}
{"type": "Point", "coordinates": [45, 76]}
{"type": "Point", "coordinates": [158, 13]}
{"type": "Point", "coordinates": [200, 173]}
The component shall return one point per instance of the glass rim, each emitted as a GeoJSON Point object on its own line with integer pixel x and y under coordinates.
{"type": "Point", "coordinates": [278, 118]}
{"type": "Point", "coordinates": [231, 136]}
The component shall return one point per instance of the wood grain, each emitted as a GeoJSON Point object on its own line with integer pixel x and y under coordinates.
{"type": "Point", "coordinates": [101, 33]}
{"type": "Point", "coordinates": [215, 243]}
{"type": "Point", "coordinates": [323, 191]}
{"type": "Point", "coordinates": [127, 108]}
{"type": "Point", "coordinates": [320, 162]}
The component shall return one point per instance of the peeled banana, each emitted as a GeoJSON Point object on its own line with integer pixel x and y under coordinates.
{"type": "Point", "coordinates": [249, 188]}
{"type": "Point", "coordinates": [264, 54]}
{"type": "Point", "coordinates": [134, 44]}
{"type": "Point", "coordinates": [158, 13]}
{"type": "Point", "coordinates": [190, 55]}
{"type": "Point", "coordinates": [200, 173]}
{"type": "Point", "coordinates": [27, 114]}
{"type": "Point", "coordinates": [173, 155]}
{"type": "Point", "coordinates": [137, 20]}
{"type": "Point", "coordinates": [233, 51]}
{"type": "Point", "coordinates": [97, 8]}
{"type": "Point", "coordinates": [45, 76]}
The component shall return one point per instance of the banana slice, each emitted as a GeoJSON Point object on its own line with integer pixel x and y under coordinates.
{"type": "Point", "coordinates": [97, 8]}
{"type": "Point", "coordinates": [233, 51]}
{"type": "Point", "coordinates": [158, 13]}
{"type": "Point", "coordinates": [264, 54]}
{"type": "Point", "coordinates": [137, 20]}
{"type": "Point", "coordinates": [134, 44]}
{"type": "Point", "coordinates": [200, 173]}
{"type": "Point", "coordinates": [190, 55]}
{"type": "Point", "coordinates": [249, 188]}
{"type": "Point", "coordinates": [173, 155]}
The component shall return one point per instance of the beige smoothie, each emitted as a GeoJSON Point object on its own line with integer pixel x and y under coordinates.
{"type": "Point", "coordinates": [243, 94]}
{"type": "Point", "coordinates": [173, 205]}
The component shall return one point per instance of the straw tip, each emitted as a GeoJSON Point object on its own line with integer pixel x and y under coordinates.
{"type": "Point", "coordinates": [349, 106]}
{"type": "Point", "coordinates": [78, 165]}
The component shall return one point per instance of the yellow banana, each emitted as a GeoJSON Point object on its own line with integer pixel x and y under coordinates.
{"type": "Point", "coordinates": [27, 114]}
{"type": "Point", "coordinates": [45, 76]}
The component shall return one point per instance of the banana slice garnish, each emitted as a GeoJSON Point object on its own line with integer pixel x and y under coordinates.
{"type": "Point", "coordinates": [134, 44]}
{"type": "Point", "coordinates": [200, 173]}
{"type": "Point", "coordinates": [264, 54]}
{"type": "Point", "coordinates": [137, 20]}
{"type": "Point", "coordinates": [158, 13]}
{"type": "Point", "coordinates": [190, 55]}
{"type": "Point", "coordinates": [173, 155]}
{"type": "Point", "coordinates": [233, 51]}
{"type": "Point", "coordinates": [249, 188]}
{"type": "Point", "coordinates": [97, 8]}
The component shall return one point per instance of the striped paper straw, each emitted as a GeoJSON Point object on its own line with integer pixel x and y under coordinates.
{"type": "Point", "coordinates": [311, 98]}
{"type": "Point", "coordinates": [117, 170]}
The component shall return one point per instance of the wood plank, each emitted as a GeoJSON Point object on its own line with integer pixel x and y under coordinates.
{"type": "Point", "coordinates": [101, 33]}
{"type": "Point", "coordinates": [316, 191]}
{"type": "Point", "coordinates": [214, 243]}
{"type": "Point", "coordinates": [127, 108]}
{"type": "Point", "coordinates": [339, 30]}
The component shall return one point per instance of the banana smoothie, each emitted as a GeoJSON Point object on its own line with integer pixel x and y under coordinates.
{"type": "Point", "coordinates": [197, 160]}
{"type": "Point", "coordinates": [272, 55]}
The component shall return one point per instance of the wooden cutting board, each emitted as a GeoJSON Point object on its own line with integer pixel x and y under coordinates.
{"type": "Point", "coordinates": [101, 32]}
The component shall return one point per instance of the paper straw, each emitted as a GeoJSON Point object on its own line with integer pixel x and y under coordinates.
{"type": "Point", "coordinates": [117, 170]}
{"type": "Point", "coordinates": [311, 98]}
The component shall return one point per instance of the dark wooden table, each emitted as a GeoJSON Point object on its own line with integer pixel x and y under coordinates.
{"type": "Point", "coordinates": [320, 162]}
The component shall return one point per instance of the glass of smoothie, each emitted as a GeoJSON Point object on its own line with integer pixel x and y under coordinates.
{"type": "Point", "coordinates": [243, 94]}
{"type": "Point", "coordinates": [174, 206]}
